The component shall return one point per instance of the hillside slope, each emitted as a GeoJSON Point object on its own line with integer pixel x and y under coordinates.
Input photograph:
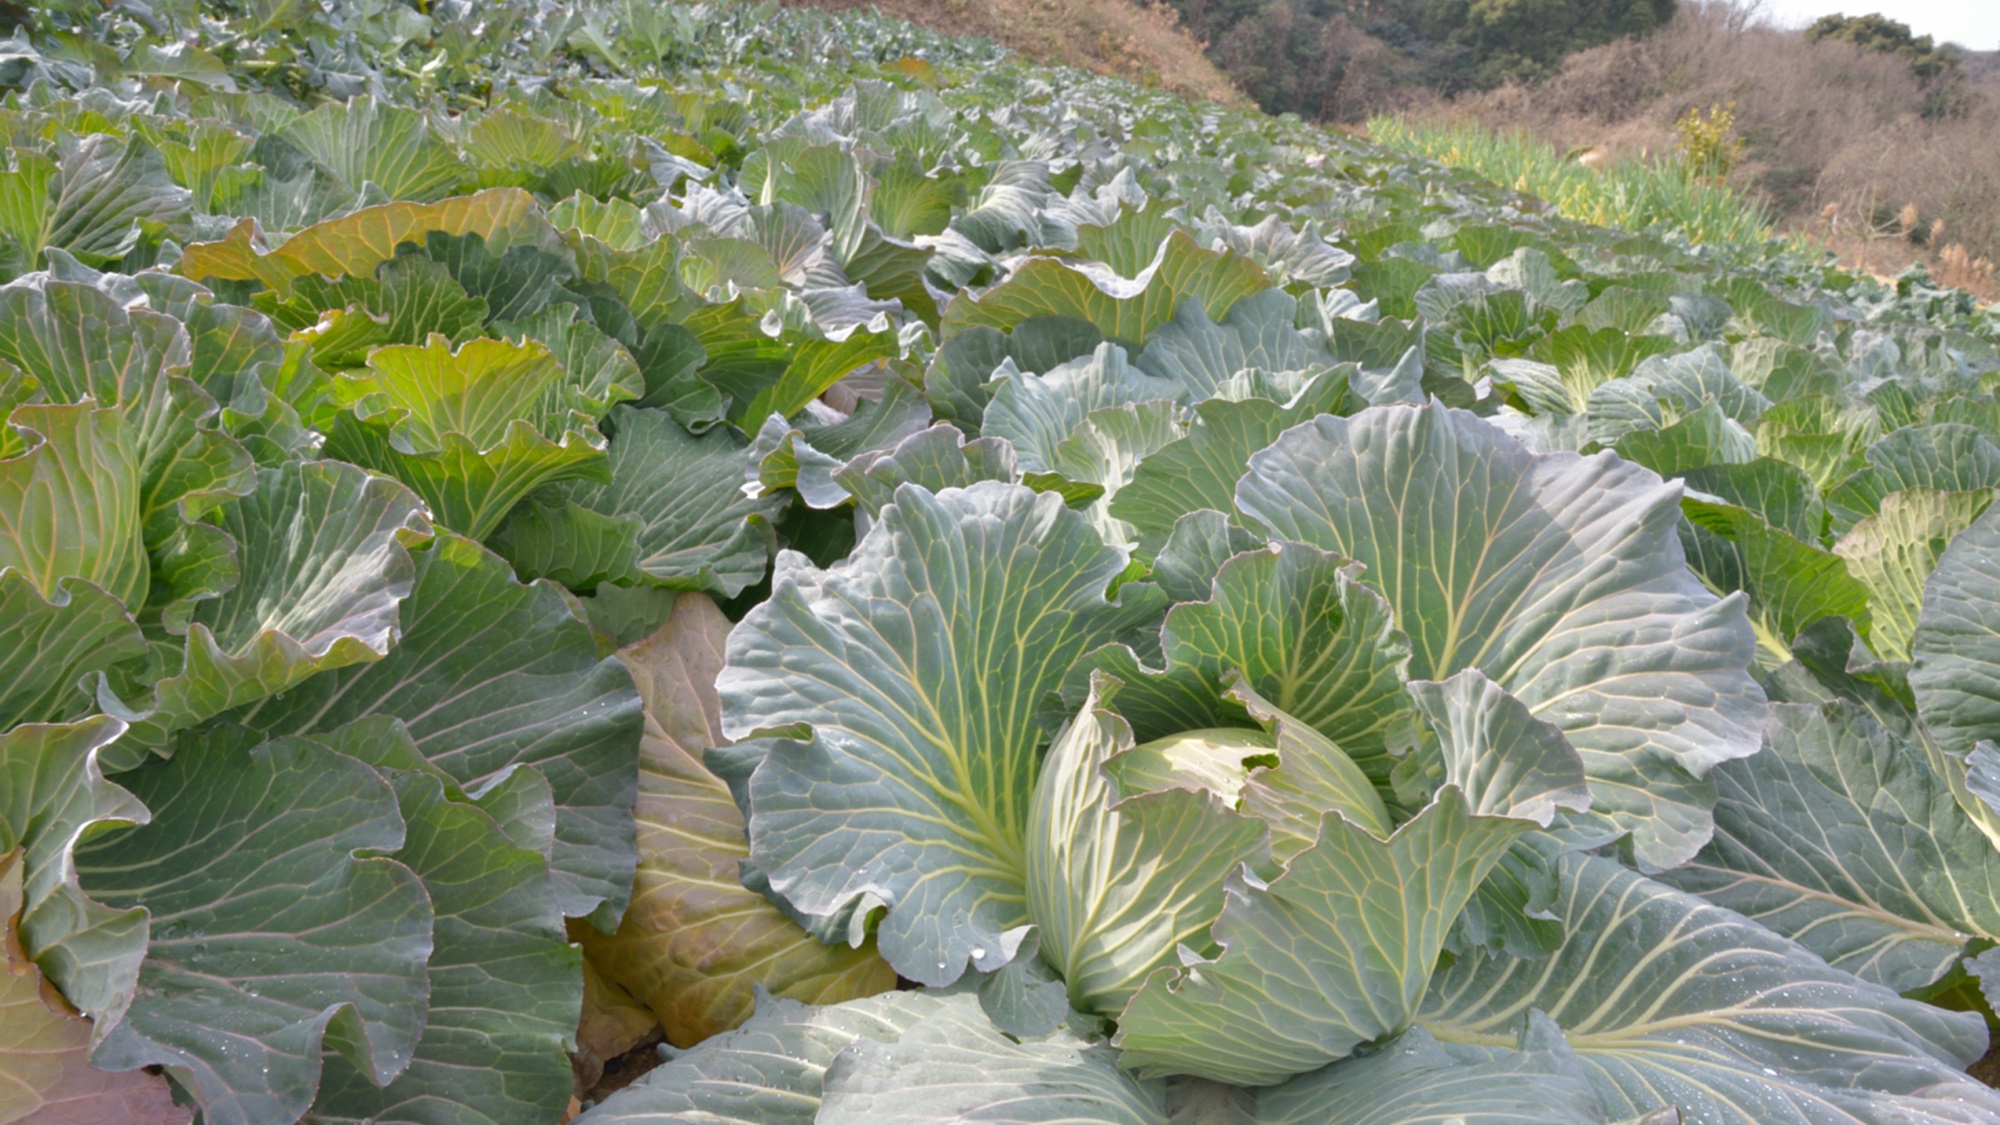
{"type": "Point", "coordinates": [1128, 39]}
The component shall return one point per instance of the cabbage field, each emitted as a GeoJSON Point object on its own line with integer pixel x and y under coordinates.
{"type": "Point", "coordinates": [902, 586]}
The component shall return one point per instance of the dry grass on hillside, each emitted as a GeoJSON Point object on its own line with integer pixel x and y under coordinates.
{"type": "Point", "coordinates": [1137, 40]}
{"type": "Point", "coordinates": [1834, 139]}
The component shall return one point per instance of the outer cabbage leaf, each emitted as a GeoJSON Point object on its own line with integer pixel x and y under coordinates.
{"type": "Point", "coordinates": [696, 944]}
{"type": "Point", "coordinates": [250, 970]}
{"type": "Point", "coordinates": [1117, 228]}
{"type": "Point", "coordinates": [1893, 552]}
{"type": "Point", "coordinates": [48, 647]}
{"type": "Point", "coordinates": [767, 1072]}
{"type": "Point", "coordinates": [490, 676]}
{"type": "Point", "coordinates": [1037, 412]}
{"type": "Point", "coordinates": [1557, 575]}
{"type": "Point", "coordinates": [1833, 662]}
{"type": "Point", "coordinates": [1488, 743]}
{"type": "Point", "coordinates": [1948, 456]}
{"type": "Point", "coordinates": [95, 200]}
{"type": "Point", "coordinates": [72, 499]}
{"type": "Point", "coordinates": [408, 299]}
{"type": "Point", "coordinates": [807, 456]}
{"type": "Point", "coordinates": [674, 514]}
{"type": "Point", "coordinates": [506, 986]}
{"type": "Point", "coordinates": [956, 381]}
{"type": "Point", "coordinates": [52, 792]}
{"type": "Point", "coordinates": [935, 459]}
{"type": "Point", "coordinates": [1840, 837]}
{"type": "Point", "coordinates": [519, 287]}
{"type": "Point", "coordinates": [1201, 543]}
{"type": "Point", "coordinates": [364, 141]}
{"type": "Point", "coordinates": [78, 342]}
{"type": "Point", "coordinates": [815, 366]}
{"type": "Point", "coordinates": [353, 245]}
{"type": "Point", "coordinates": [1955, 650]}
{"type": "Point", "coordinates": [1103, 452]}
{"type": "Point", "coordinates": [1780, 494]}
{"type": "Point", "coordinates": [1467, 715]}
{"type": "Point", "coordinates": [1583, 360]}
{"type": "Point", "coordinates": [1818, 434]}
{"type": "Point", "coordinates": [1292, 257]}
{"type": "Point", "coordinates": [1668, 1000]}
{"type": "Point", "coordinates": [45, 1071]}
{"type": "Point", "coordinates": [323, 550]}
{"type": "Point", "coordinates": [1662, 386]}
{"type": "Point", "coordinates": [1416, 1079]}
{"type": "Point", "coordinates": [1201, 355]}
{"type": "Point", "coordinates": [1697, 439]}
{"type": "Point", "coordinates": [956, 1066]}
{"type": "Point", "coordinates": [1789, 583]}
{"type": "Point", "coordinates": [1200, 471]}
{"type": "Point", "coordinates": [916, 665]}
{"type": "Point", "coordinates": [1124, 309]}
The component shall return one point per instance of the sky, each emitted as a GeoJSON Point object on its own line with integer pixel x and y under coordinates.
{"type": "Point", "coordinates": [1974, 24]}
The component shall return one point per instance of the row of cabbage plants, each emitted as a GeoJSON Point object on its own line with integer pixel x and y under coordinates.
{"type": "Point", "coordinates": [931, 588]}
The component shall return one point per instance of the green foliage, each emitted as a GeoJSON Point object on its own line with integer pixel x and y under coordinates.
{"type": "Point", "coordinates": [1344, 59]}
{"type": "Point", "coordinates": [1937, 68]}
{"type": "Point", "coordinates": [738, 507]}
{"type": "Point", "coordinates": [1688, 195]}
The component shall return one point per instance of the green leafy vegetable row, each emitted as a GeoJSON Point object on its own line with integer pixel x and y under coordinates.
{"type": "Point", "coordinates": [937, 589]}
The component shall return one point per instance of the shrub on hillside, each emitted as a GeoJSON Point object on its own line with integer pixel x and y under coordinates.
{"type": "Point", "coordinates": [1345, 59]}
{"type": "Point", "coordinates": [1289, 61]}
{"type": "Point", "coordinates": [1946, 93]}
{"type": "Point", "coordinates": [1830, 120]}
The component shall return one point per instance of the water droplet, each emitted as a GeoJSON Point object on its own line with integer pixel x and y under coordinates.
{"type": "Point", "coordinates": [978, 954]}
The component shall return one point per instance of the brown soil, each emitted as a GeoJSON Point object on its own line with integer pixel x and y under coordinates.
{"type": "Point", "coordinates": [1987, 1070]}
{"type": "Point", "coordinates": [1136, 40]}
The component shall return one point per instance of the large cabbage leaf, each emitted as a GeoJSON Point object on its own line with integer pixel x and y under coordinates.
{"type": "Point", "coordinates": [695, 945]}
{"type": "Point", "coordinates": [1839, 836]}
{"type": "Point", "coordinates": [902, 1056]}
{"type": "Point", "coordinates": [492, 676]}
{"type": "Point", "coordinates": [1559, 576]}
{"type": "Point", "coordinates": [1668, 1000]}
{"type": "Point", "coordinates": [73, 501]}
{"type": "Point", "coordinates": [673, 515]}
{"type": "Point", "coordinates": [505, 983]}
{"type": "Point", "coordinates": [912, 671]}
{"type": "Point", "coordinates": [1337, 949]}
{"type": "Point", "coordinates": [249, 972]}
{"type": "Point", "coordinates": [769, 1071]}
{"type": "Point", "coordinates": [45, 1071]}
{"type": "Point", "coordinates": [1955, 648]}
{"type": "Point", "coordinates": [324, 565]}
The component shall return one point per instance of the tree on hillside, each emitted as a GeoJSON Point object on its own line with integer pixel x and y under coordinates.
{"type": "Point", "coordinates": [1292, 59]}
{"type": "Point", "coordinates": [1337, 59]}
{"type": "Point", "coordinates": [1946, 91]}
{"type": "Point", "coordinates": [1509, 39]}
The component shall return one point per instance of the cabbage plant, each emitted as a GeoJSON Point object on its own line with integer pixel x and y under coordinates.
{"type": "Point", "coordinates": [561, 563]}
